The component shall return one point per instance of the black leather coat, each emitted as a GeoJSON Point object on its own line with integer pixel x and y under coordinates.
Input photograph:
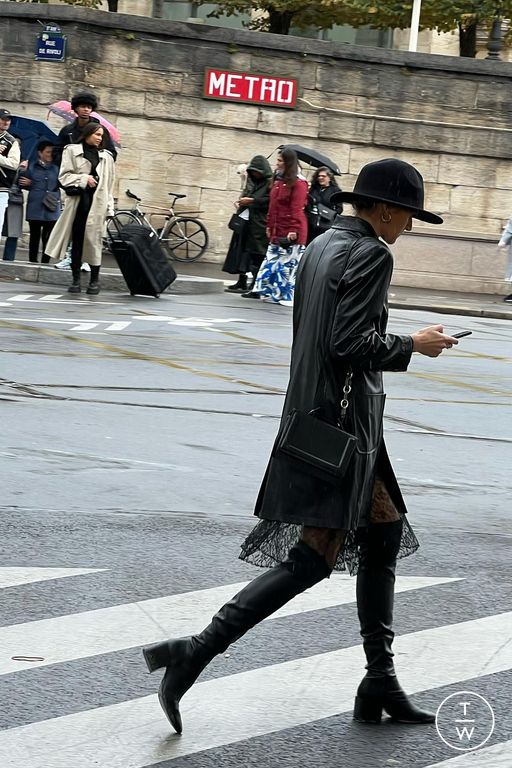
{"type": "Point", "coordinates": [340, 317]}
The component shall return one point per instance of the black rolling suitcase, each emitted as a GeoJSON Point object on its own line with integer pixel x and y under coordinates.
{"type": "Point", "coordinates": [141, 259]}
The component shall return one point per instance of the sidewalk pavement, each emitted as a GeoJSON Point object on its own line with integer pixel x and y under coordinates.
{"type": "Point", "coordinates": [206, 277]}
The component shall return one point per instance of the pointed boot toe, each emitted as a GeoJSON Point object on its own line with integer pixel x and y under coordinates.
{"type": "Point", "coordinates": [184, 660]}
{"type": "Point", "coordinates": [170, 704]}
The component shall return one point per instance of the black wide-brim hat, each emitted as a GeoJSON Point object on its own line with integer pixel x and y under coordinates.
{"type": "Point", "coordinates": [391, 181]}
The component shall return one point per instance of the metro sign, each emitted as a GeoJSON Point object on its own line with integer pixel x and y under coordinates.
{"type": "Point", "coordinates": [245, 88]}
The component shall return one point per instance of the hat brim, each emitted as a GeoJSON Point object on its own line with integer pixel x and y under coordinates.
{"type": "Point", "coordinates": [349, 197]}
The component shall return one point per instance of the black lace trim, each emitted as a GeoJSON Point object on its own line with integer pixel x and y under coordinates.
{"type": "Point", "coordinates": [270, 541]}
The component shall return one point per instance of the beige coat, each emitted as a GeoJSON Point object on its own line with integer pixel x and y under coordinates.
{"type": "Point", "coordinates": [74, 171]}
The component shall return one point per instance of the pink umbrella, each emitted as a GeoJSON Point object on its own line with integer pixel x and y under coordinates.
{"type": "Point", "coordinates": [63, 109]}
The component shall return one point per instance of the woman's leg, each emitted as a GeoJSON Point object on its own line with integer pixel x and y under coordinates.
{"type": "Point", "coordinates": [11, 243]}
{"type": "Point", "coordinates": [94, 286]}
{"type": "Point", "coordinates": [34, 237]}
{"type": "Point", "coordinates": [186, 658]}
{"type": "Point", "coordinates": [46, 232]}
{"type": "Point", "coordinates": [379, 545]}
{"type": "Point", "coordinates": [77, 239]}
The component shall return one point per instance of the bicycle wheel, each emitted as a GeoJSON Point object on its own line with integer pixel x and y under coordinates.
{"type": "Point", "coordinates": [186, 239]}
{"type": "Point", "coordinates": [120, 219]}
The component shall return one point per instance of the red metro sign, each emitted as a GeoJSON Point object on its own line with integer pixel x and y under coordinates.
{"type": "Point", "coordinates": [224, 85]}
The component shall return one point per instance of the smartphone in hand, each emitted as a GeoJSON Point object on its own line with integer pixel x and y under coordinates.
{"type": "Point", "coordinates": [461, 334]}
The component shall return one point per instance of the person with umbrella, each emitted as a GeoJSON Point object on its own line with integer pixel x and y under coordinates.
{"type": "Point", "coordinates": [82, 103]}
{"type": "Point", "coordinates": [320, 211]}
{"type": "Point", "coordinates": [9, 161]}
{"type": "Point", "coordinates": [41, 178]}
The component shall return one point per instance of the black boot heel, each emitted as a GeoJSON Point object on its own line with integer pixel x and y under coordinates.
{"type": "Point", "coordinates": [367, 710]}
{"type": "Point", "coordinates": [156, 656]}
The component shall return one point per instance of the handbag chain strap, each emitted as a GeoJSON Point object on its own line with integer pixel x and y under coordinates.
{"type": "Point", "coordinates": [347, 389]}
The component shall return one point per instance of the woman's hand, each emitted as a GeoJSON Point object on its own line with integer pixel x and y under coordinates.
{"type": "Point", "coordinates": [24, 182]}
{"type": "Point", "coordinates": [91, 181]}
{"type": "Point", "coordinates": [246, 200]}
{"type": "Point", "coordinates": [432, 341]}
{"type": "Point", "coordinates": [267, 232]}
{"type": "Point", "coordinates": [291, 236]}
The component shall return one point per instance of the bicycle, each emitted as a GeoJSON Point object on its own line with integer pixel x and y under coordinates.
{"type": "Point", "coordinates": [183, 237]}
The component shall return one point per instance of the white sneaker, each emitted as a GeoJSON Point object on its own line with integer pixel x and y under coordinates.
{"type": "Point", "coordinates": [286, 303]}
{"type": "Point", "coordinates": [85, 267]}
{"type": "Point", "coordinates": [64, 264]}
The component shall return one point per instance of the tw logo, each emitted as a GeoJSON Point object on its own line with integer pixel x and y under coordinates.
{"type": "Point", "coordinates": [465, 721]}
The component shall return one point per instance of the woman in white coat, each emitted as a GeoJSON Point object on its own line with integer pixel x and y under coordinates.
{"type": "Point", "coordinates": [87, 177]}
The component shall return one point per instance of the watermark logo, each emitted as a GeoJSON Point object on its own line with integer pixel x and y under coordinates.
{"type": "Point", "coordinates": [465, 721]}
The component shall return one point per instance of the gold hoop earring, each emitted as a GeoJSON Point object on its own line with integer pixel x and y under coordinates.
{"type": "Point", "coordinates": [385, 221]}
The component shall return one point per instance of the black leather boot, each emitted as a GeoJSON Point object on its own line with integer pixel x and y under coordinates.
{"type": "Point", "coordinates": [240, 286]}
{"type": "Point", "coordinates": [186, 658]}
{"type": "Point", "coordinates": [380, 690]}
{"type": "Point", "coordinates": [75, 285]}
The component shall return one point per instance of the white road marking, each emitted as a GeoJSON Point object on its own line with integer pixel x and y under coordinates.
{"type": "Point", "coordinates": [77, 325]}
{"type": "Point", "coordinates": [49, 298]}
{"type": "Point", "coordinates": [5, 304]}
{"type": "Point", "coordinates": [13, 577]}
{"type": "Point", "coordinates": [118, 326]}
{"type": "Point", "coordinates": [105, 630]}
{"type": "Point", "coordinates": [246, 705]}
{"type": "Point", "coordinates": [84, 326]}
{"type": "Point", "coordinates": [497, 756]}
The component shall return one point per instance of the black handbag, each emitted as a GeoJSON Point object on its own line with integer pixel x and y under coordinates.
{"type": "Point", "coordinates": [73, 191]}
{"type": "Point", "coordinates": [237, 224]}
{"type": "Point", "coordinates": [15, 194]}
{"type": "Point", "coordinates": [317, 446]}
{"type": "Point", "coordinates": [326, 216]}
{"type": "Point", "coordinates": [50, 202]}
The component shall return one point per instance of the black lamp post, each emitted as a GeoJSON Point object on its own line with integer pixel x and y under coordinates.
{"type": "Point", "coordinates": [495, 41]}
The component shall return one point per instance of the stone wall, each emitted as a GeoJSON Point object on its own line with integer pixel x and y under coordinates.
{"type": "Point", "coordinates": [448, 116]}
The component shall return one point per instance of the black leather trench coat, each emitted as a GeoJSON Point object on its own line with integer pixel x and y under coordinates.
{"type": "Point", "coordinates": [339, 321]}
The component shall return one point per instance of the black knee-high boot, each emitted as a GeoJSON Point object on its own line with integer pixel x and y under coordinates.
{"type": "Point", "coordinates": [380, 690]}
{"type": "Point", "coordinates": [186, 658]}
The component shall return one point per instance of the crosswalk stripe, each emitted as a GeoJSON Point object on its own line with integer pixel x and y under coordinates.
{"type": "Point", "coordinates": [497, 756]}
{"type": "Point", "coordinates": [226, 710]}
{"type": "Point", "coordinates": [105, 630]}
{"type": "Point", "coordinates": [13, 577]}
{"type": "Point", "coordinates": [118, 326]}
{"type": "Point", "coordinates": [51, 297]}
{"type": "Point", "coordinates": [84, 327]}
{"type": "Point", "coordinates": [21, 297]}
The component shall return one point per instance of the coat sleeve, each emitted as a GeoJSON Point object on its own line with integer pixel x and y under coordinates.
{"type": "Point", "coordinates": [298, 200]}
{"type": "Point", "coordinates": [361, 299]}
{"type": "Point", "coordinates": [12, 159]}
{"type": "Point", "coordinates": [68, 175]}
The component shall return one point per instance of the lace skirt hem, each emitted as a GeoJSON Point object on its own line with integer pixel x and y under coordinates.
{"type": "Point", "coordinates": [270, 541]}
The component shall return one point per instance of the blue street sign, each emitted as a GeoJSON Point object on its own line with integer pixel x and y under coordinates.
{"type": "Point", "coordinates": [51, 44]}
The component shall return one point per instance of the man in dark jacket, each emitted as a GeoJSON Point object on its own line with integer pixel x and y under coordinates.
{"type": "Point", "coordinates": [83, 104]}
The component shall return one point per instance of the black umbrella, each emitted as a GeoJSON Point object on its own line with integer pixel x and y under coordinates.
{"type": "Point", "coordinates": [312, 157]}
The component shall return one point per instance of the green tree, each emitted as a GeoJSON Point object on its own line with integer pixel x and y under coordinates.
{"type": "Point", "coordinates": [443, 15]}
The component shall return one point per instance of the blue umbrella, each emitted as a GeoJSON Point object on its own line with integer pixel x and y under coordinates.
{"type": "Point", "coordinates": [31, 132]}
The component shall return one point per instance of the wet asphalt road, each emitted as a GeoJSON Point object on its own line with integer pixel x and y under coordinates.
{"type": "Point", "coordinates": [135, 433]}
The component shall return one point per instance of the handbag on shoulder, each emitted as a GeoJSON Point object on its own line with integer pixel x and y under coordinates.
{"type": "Point", "coordinates": [237, 223]}
{"type": "Point", "coordinates": [50, 202]}
{"type": "Point", "coordinates": [317, 446]}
